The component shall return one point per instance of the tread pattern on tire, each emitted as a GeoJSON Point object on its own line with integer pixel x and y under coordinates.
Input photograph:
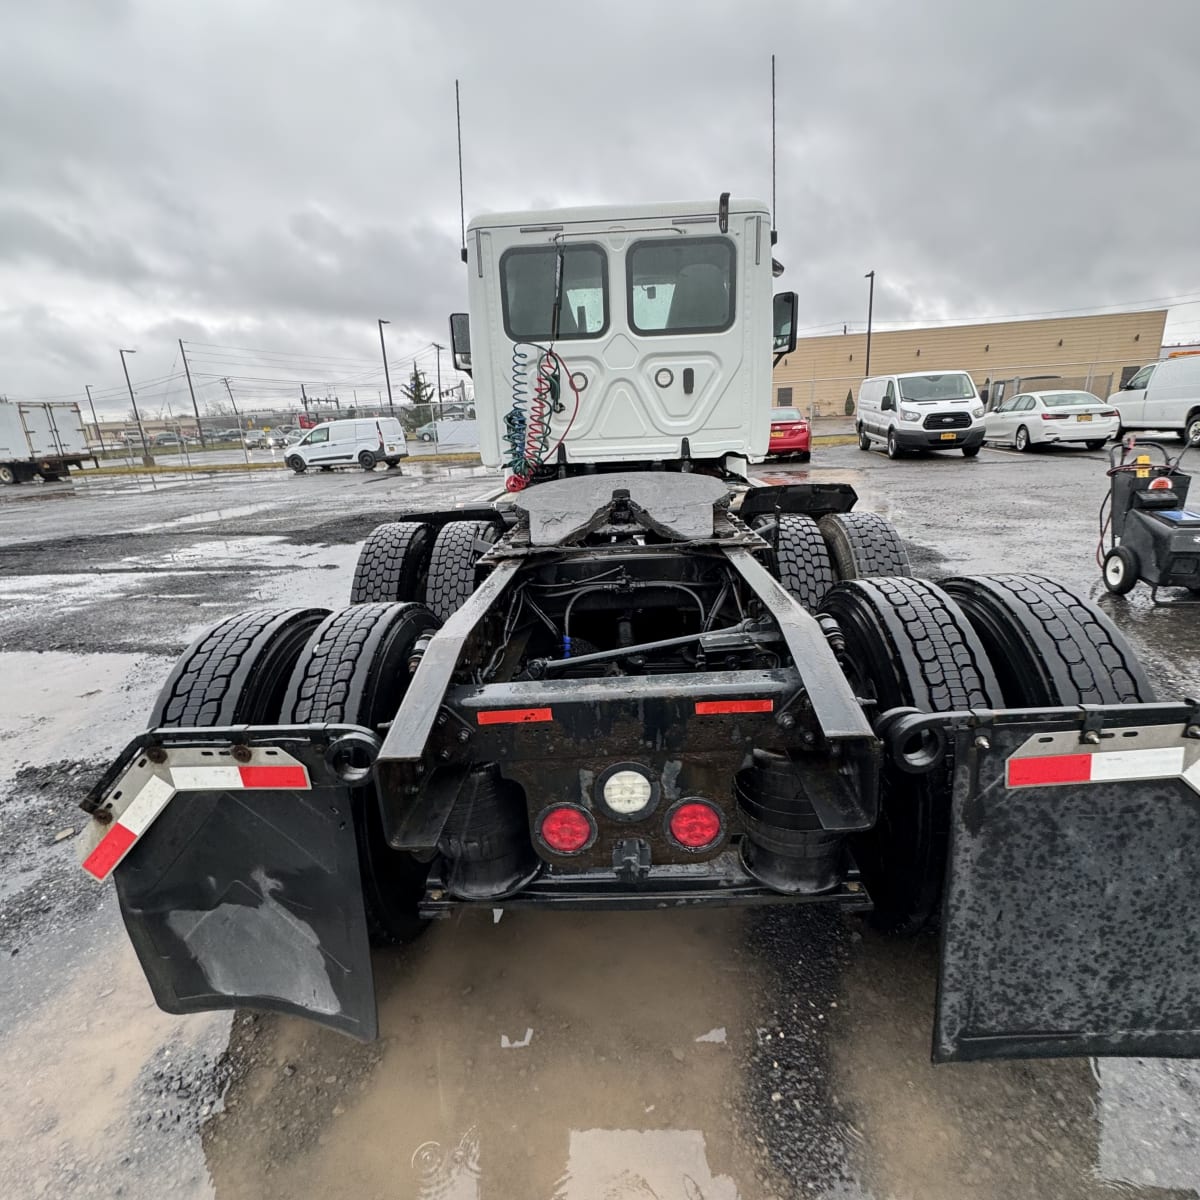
{"type": "Point", "coordinates": [1080, 657]}
{"type": "Point", "coordinates": [802, 560]}
{"type": "Point", "coordinates": [452, 565]}
{"type": "Point", "coordinates": [864, 545]}
{"type": "Point", "coordinates": [207, 685]}
{"type": "Point", "coordinates": [391, 562]}
{"type": "Point", "coordinates": [945, 663]}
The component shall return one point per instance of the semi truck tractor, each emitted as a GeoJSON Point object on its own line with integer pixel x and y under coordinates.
{"type": "Point", "coordinates": [643, 680]}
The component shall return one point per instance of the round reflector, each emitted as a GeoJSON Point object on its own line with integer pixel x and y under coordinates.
{"type": "Point", "coordinates": [566, 830]}
{"type": "Point", "coordinates": [695, 824]}
{"type": "Point", "coordinates": [1160, 484]}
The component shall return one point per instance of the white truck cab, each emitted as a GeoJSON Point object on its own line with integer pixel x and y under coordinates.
{"type": "Point", "coordinates": [627, 335]}
{"type": "Point", "coordinates": [356, 442]}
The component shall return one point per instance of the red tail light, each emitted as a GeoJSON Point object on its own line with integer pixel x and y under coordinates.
{"type": "Point", "coordinates": [695, 825]}
{"type": "Point", "coordinates": [1110, 412]}
{"type": "Point", "coordinates": [1054, 416]}
{"type": "Point", "coordinates": [567, 829]}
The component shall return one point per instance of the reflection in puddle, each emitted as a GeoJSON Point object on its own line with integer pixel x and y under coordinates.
{"type": "Point", "coordinates": [448, 1173]}
{"type": "Point", "coordinates": [631, 1164]}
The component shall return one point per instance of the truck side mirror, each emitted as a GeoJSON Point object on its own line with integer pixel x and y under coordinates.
{"type": "Point", "coordinates": [460, 341]}
{"type": "Point", "coordinates": [784, 312]}
{"type": "Point", "coordinates": [887, 404]}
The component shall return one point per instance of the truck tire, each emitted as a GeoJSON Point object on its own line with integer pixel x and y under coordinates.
{"type": "Point", "coordinates": [864, 546]}
{"type": "Point", "coordinates": [7, 474]}
{"type": "Point", "coordinates": [354, 670]}
{"type": "Point", "coordinates": [393, 563]}
{"type": "Point", "coordinates": [1048, 645]}
{"type": "Point", "coordinates": [367, 460]}
{"type": "Point", "coordinates": [297, 464]}
{"type": "Point", "coordinates": [908, 644]}
{"type": "Point", "coordinates": [458, 548]}
{"type": "Point", "coordinates": [236, 672]}
{"type": "Point", "coordinates": [802, 562]}
{"type": "Point", "coordinates": [1191, 430]}
{"type": "Point", "coordinates": [864, 442]}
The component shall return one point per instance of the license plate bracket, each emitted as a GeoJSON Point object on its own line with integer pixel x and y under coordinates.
{"type": "Point", "coordinates": [949, 437]}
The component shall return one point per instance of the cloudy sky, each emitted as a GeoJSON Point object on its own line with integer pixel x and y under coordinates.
{"type": "Point", "coordinates": [275, 176]}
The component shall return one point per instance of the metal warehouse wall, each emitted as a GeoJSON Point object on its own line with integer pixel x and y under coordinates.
{"type": "Point", "coordinates": [1083, 350]}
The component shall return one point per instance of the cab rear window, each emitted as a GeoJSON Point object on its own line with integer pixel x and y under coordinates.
{"type": "Point", "coordinates": [530, 288]}
{"type": "Point", "coordinates": [681, 285]}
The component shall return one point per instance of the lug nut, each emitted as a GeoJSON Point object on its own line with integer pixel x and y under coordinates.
{"type": "Point", "coordinates": [982, 743]}
{"type": "Point", "coordinates": [1092, 737]}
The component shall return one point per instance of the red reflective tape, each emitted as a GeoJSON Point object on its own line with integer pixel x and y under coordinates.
{"type": "Point", "coordinates": [273, 777]}
{"type": "Point", "coordinates": [705, 708]}
{"type": "Point", "coordinates": [515, 716]}
{"type": "Point", "coordinates": [110, 851]}
{"type": "Point", "coordinates": [1052, 768]}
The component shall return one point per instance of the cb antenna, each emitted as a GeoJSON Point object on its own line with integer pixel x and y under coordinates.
{"type": "Point", "coordinates": [462, 211]}
{"type": "Point", "coordinates": [774, 230]}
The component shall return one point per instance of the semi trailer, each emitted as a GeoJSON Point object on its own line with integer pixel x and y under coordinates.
{"type": "Point", "coordinates": [40, 439]}
{"type": "Point", "coordinates": [641, 680]}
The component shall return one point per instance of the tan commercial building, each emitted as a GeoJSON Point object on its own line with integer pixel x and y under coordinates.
{"type": "Point", "coordinates": [821, 376]}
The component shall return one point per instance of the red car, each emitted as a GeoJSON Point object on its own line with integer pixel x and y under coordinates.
{"type": "Point", "coordinates": [790, 434]}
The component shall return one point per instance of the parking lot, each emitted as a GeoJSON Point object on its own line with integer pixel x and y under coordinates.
{"type": "Point", "coordinates": [732, 1053]}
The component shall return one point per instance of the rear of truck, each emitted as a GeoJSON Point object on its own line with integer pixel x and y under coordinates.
{"type": "Point", "coordinates": [659, 687]}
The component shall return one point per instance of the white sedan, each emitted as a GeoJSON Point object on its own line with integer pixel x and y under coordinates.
{"type": "Point", "coordinates": [1039, 418]}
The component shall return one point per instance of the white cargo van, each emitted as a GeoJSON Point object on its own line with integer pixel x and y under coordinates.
{"type": "Point", "coordinates": [363, 442]}
{"type": "Point", "coordinates": [920, 410]}
{"type": "Point", "coordinates": [1163, 395]}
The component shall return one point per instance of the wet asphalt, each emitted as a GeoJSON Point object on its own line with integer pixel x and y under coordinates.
{"type": "Point", "coordinates": [708, 1055]}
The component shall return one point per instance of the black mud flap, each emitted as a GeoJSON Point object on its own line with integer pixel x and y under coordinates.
{"type": "Point", "coordinates": [1069, 922]}
{"type": "Point", "coordinates": [253, 898]}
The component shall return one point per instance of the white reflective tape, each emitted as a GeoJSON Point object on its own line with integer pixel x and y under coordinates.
{"type": "Point", "coordinates": [146, 805]}
{"type": "Point", "coordinates": [201, 779]}
{"type": "Point", "coordinates": [1116, 765]}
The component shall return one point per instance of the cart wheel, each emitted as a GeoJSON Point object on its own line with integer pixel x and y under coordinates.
{"type": "Point", "coordinates": [1022, 440]}
{"type": "Point", "coordinates": [393, 563]}
{"type": "Point", "coordinates": [1048, 645]}
{"type": "Point", "coordinates": [864, 545]}
{"type": "Point", "coordinates": [452, 565]}
{"type": "Point", "coordinates": [366, 460]}
{"type": "Point", "coordinates": [354, 670]}
{"type": "Point", "coordinates": [1121, 570]}
{"type": "Point", "coordinates": [802, 561]}
{"type": "Point", "coordinates": [907, 644]}
{"type": "Point", "coordinates": [235, 672]}
{"type": "Point", "coordinates": [864, 442]}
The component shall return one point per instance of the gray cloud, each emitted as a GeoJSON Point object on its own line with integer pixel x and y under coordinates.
{"type": "Point", "coordinates": [282, 174]}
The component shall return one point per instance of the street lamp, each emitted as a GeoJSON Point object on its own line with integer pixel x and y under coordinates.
{"type": "Point", "coordinates": [146, 458]}
{"type": "Point", "coordinates": [386, 376]}
{"type": "Point", "coordinates": [870, 312]}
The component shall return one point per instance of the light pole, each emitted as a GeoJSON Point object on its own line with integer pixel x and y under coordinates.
{"type": "Point", "coordinates": [441, 409]}
{"type": "Point", "coordinates": [870, 312]}
{"type": "Point", "coordinates": [147, 460]}
{"type": "Point", "coordinates": [386, 376]}
{"type": "Point", "coordinates": [87, 387]}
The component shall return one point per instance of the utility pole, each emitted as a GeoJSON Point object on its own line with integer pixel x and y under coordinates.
{"type": "Point", "coordinates": [87, 387]}
{"type": "Point", "coordinates": [147, 460]}
{"type": "Point", "coordinates": [195, 407]}
{"type": "Point", "coordinates": [245, 452]}
{"type": "Point", "coordinates": [870, 313]}
{"type": "Point", "coordinates": [386, 377]}
{"type": "Point", "coordinates": [304, 397]}
{"type": "Point", "coordinates": [439, 349]}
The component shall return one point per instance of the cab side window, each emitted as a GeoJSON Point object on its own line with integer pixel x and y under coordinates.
{"type": "Point", "coordinates": [318, 435]}
{"type": "Point", "coordinates": [889, 396]}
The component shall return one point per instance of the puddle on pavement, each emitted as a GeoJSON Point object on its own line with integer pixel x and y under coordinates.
{"type": "Point", "coordinates": [212, 517]}
{"type": "Point", "coordinates": [547, 1057]}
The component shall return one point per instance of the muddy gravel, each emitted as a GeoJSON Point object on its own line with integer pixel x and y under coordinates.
{"type": "Point", "coordinates": [731, 1054]}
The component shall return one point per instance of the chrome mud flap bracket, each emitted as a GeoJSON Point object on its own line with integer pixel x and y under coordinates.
{"type": "Point", "coordinates": [245, 894]}
{"type": "Point", "coordinates": [1069, 916]}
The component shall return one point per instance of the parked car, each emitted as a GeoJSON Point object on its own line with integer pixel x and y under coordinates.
{"type": "Point", "coordinates": [921, 410]}
{"type": "Point", "coordinates": [428, 432]}
{"type": "Point", "coordinates": [1163, 395]}
{"type": "Point", "coordinates": [790, 434]}
{"type": "Point", "coordinates": [1040, 418]}
{"type": "Point", "coordinates": [166, 439]}
{"type": "Point", "coordinates": [275, 439]}
{"type": "Point", "coordinates": [363, 442]}
{"type": "Point", "coordinates": [253, 438]}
